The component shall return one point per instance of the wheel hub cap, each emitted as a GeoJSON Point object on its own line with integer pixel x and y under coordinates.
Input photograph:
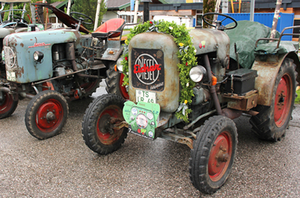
{"type": "Point", "coordinates": [49, 116]}
{"type": "Point", "coordinates": [220, 156]}
{"type": "Point", "coordinates": [110, 116]}
{"type": "Point", "coordinates": [282, 101]}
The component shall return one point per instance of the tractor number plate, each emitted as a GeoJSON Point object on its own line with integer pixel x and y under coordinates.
{"type": "Point", "coordinates": [145, 96]}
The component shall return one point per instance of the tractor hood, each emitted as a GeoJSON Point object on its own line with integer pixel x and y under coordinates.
{"type": "Point", "coordinates": [29, 40]}
{"type": "Point", "coordinates": [211, 40]}
{"type": "Point", "coordinates": [19, 50]}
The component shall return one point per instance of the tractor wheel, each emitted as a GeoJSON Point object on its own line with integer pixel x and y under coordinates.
{"type": "Point", "coordinates": [7, 105]}
{"type": "Point", "coordinates": [213, 154]}
{"type": "Point", "coordinates": [91, 87]}
{"type": "Point", "coordinates": [114, 82]}
{"type": "Point", "coordinates": [46, 114]}
{"type": "Point", "coordinates": [98, 122]}
{"type": "Point", "coordinates": [271, 122]}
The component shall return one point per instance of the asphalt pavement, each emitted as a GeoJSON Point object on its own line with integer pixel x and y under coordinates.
{"type": "Point", "coordinates": [63, 166]}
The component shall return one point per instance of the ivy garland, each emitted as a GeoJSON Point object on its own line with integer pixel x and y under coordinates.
{"type": "Point", "coordinates": [186, 54]}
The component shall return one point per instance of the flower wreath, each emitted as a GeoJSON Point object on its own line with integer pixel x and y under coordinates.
{"type": "Point", "coordinates": [186, 55]}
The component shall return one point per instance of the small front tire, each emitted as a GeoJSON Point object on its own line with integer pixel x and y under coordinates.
{"type": "Point", "coordinates": [98, 122]}
{"type": "Point", "coordinates": [213, 154]}
{"type": "Point", "coordinates": [46, 114]}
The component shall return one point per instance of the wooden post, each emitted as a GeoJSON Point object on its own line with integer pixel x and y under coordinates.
{"type": "Point", "coordinates": [97, 15]}
{"type": "Point", "coordinates": [275, 19]}
{"type": "Point", "coordinates": [69, 7]}
{"type": "Point", "coordinates": [217, 10]}
{"type": "Point", "coordinates": [136, 7]}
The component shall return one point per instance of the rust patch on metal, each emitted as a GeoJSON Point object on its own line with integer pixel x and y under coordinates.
{"type": "Point", "coordinates": [242, 103]}
{"type": "Point", "coordinates": [265, 81]}
{"type": "Point", "coordinates": [19, 71]}
{"type": "Point", "coordinates": [22, 45]}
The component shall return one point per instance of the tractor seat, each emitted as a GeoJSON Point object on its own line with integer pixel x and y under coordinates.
{"type": "Point", "coordinates": [110, 29]}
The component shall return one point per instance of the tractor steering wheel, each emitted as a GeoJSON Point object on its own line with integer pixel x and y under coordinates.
{"type": "Point", "coordinates": [218, 24]}
{"type": "Point", "coordinates": [85, 19]}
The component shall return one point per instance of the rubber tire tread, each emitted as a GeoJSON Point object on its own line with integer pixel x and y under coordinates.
{"type": "Point", "coordinates": [90, 118]}
{"type": "Point", "coordinates": [112, 81]}
{"type": "Point", "coordinates": [33, 106]}
{"type": "Point", "coordinates": [263, 124]}
{"type": "Point", "coordinates": [198, 162]}
{"type": "Point", "coordinates": [11, 110]}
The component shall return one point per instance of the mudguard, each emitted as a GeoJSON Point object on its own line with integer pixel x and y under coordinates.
{"type": "Point", "coordinates": [267, 66]}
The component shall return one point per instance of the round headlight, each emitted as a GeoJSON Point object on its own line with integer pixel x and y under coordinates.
{"type": "Point", "coordinates": [119, 64]}
{"type": "Point", "coordinates": [38, 56]}
{"type": "Point", "coordinates": [197, 73]}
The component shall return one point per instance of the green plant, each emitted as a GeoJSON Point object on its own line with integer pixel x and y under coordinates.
{"type": "Point", "coordinates": [297, 100]}
{"type": "Point", "coordinates": [186, 54]}
{"type": "Point", "coordinates": [208, 6]}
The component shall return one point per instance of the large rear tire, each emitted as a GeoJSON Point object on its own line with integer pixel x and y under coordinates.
{"type": "Point", "coordinates": [7, 105]}
{"type": "Point", "coordinates": [46, 114]}
{"type": "Point", "coordinates": [98, 121]}
{"type": "Point", "coordinates": [114, 82]}
{"type": "Point", "coordinates": [213, 154]}
{"type": "Point", "coordinates": [91, 87]}
{"type": "Point", "coordinates": [271, 122]}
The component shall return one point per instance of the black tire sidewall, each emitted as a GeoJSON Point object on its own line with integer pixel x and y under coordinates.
{"type": "Point", "coordinates": [290, 71]}
{"type": "Point", "coordinates": [263, 124]}
{"type": "Point", "coordinates": [12, 107]}
{"type": "Point", "coordinates": [89, 124]}
{"type": "Point", "coordinates": [201, 153]}
{"type": "Point", "coordinates": [113, 80]}
{"type": "Point", "coordinates": [33, 107]}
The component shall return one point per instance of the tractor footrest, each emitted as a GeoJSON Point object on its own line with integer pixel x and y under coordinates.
{"type": "Point", "coordinates": [242, 103]}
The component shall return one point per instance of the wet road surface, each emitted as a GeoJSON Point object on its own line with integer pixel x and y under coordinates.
{"type": "Point", "coordinates": [63, 166]}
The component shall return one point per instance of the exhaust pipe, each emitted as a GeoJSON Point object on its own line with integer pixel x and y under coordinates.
{"type": "Point", "coordinates": [70, 49]}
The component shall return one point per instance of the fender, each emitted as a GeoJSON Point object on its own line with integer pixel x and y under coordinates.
{"type": "Point", "coordinates": [267, 71]}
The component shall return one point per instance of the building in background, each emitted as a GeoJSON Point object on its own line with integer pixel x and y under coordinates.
{"type": "Point", "coordinates": [185, 11]}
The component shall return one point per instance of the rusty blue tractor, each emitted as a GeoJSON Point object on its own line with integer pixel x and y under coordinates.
{"type": "Point", "coordinates": [229, 73]}
{"type": "Point", "coordinates": [54, 66]}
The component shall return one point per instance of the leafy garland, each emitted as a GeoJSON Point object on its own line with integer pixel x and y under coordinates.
{"type": "Point", "coordinates": [186, 55]}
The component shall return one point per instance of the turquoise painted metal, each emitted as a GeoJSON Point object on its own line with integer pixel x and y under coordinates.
{"type": "Point", "coordinates": [23, 46]}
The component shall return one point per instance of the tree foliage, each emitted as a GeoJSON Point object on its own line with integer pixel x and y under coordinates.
{"type": "Point", "coordinates": [89, 8]}
{"type": "Point", "coordinates": [208, 6]}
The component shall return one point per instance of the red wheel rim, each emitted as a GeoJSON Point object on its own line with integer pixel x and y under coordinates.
{"type": "Point", "coordinates": [220, 156]}
{"type": "Point", "coordinates": [6, 103]}
{"type": "Point", "coordinates": [283, 100]}
{"type": "Point", "coordinates": [123, 88]}
{"type": "Point", "coordinates": [49, 115]}
{"type": "Point", "coordinates": [109, 116]}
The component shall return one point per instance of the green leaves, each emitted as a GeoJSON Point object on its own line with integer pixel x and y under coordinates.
{"type": "Point", "coordinates": [186, 55]}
